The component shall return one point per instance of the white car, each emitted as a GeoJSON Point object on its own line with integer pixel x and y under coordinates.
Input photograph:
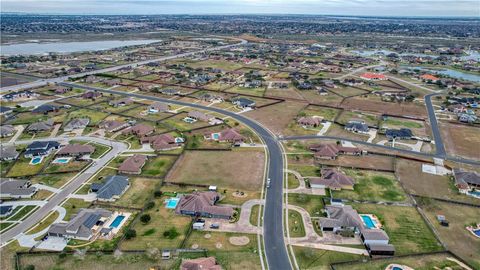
{"type": "Point", "coordinates": [268, 182]}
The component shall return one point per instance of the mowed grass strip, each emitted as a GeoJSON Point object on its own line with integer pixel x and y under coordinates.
{"type": "Point", "coordinates": [295, 224]}
{"type": "Point", "coordinates": [405, 227]}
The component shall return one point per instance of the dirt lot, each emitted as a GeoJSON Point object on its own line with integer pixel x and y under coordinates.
{"type": "Point", "coordinates": [461, 140]}
{"type": "Point", "coordinates": [460, 241]}
{"type": "Point", "coordinates": [277, 117]}
{"type": "Point", "coordinates": [238, 169]}
{"type": "Point", "coordinates": [373, 162]}
{"type": "Point", "coordinates": [372, 105]}
{"type": "Point", "coordinates": [416, 182]}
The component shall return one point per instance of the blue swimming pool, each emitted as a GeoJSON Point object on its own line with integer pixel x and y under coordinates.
{"type": "Point", "coordinates": [116, 222]}
{"type": "Point", "coordinates": [368, 221]}
{"type": "Point", "coordinates": [172, 203]}
{"type": "Point", "coordinates": [61, 160]}
{"type": "Point", "coordinates": [216, 136]}
{"type": "Point", "coordinates": [189, 120]}
{"type": "Point", "coordinates": [477, 232]}
{"type": "Point", "coordinates": [36, 160]}
{"type": "Point", "coordinates": [397, 268]}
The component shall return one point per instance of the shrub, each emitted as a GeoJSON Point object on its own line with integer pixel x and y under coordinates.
{"type": "Point", "coordinates": [29, 267]}
{"type": "Point", "coordinates": [130, 233]}
{"type": "Point", "coordinates": [171, 233]}
{"type": "Point", "coordinates": [157, 193]}
{"type": "Point", "coordinates": [149, 205]}
{"type": "Point", "coordinates": [145, 218]}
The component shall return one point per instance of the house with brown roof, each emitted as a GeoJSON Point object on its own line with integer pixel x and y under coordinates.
{"type": "Point", "coordinates": [309, 121]}
{"type": "Point", "coordinates": [162, 142]}
{"type": "Point", "coordinates": [331, 151]}
{"type": "Point", "coordinates": [202, 204]}
{"type": "Point", "coordinates": [91, 95]}
{"type": "Point", "coordinates": [120, 102]}
{"type": "Point", "coordinates": [208, 263]}
{"type": "Point", "coordinates": [332, 179]}
{"type": "Point", "coordinates": [112, 125]}
{"type": "Point", "coordinates": [76, 150]}
{"type": "Point", "coordinates": [157, 107]}
{"type": "Point", "coordinates": [231, 135]}
{"type": "Point", "coordinates": [133, 164]}
{"type": "Point", "coordinates": [140, 130]}
{"type": "Point", "coordinates": [199, 116]}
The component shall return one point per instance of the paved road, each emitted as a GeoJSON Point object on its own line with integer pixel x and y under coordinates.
{"type": "Point", "coordinates": [410, 152]}
{"type": "Point", "coordinates": [43, 82]}
{"type": "Point", "coordinates": [273, 233]}
{"type": "Point", "coordinates": [74, 184]}
{"type": "Point", "coordinates": [437, 137]}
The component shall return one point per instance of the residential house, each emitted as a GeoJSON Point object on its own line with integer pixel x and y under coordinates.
{"type": "Point", "coordinates": [467, 118]}
{"type": "Point", "coordinates": [40, 148]}
{"type": "Point", "coordinates": [157, 107]}
{"type": "Point", "coordinates": [357, 127]}
{"type": "Point", "coordinates": [40, 126]}
{"type": "Point", "coordinates": [331, 151]}
{"type": "Point", "coordinates": [121, 102]}
{"type": "Point", "coordinates": [92, 95]}
{"type": "Point", "coordinates": [208, 97]}
{"type": "Point", "coordinates": [341, 218]}
{"type": "Point", "coordinates": [7, 131]}
{"type": "Point", "coordinates": [169, 91]}
{"type": "Point", "coordinates": [140, 130]}
{"type": "Point", "coordinates": [112, 125]}
{"type": "Point", "coordinates": [373, 76]}
{"type": "Point", "coordinates": [76, 150]}
{"type": "Point", "coordinates": [20, 95]}
{"type": "Point", "coordinates": [111, 188]}
{"type": "Point", "coordinates": [112, 82]}
{"type": "Point", "coordinates": [243, 103]}
{"type": "Point", "coordinates": [202, 204]}
{"type": "Point", "coordinates": [309, 121]}
{"type": "Point", "coordinates": [162, 142]}
{"type": "Point", "coordinates": [45, 109]}
{"type": "Point", "coordinates": [252, 84]}
{"type": "Point", "coordinates": [8, 153]}
{"type": "Point", "coordinates": [58, 89]}
{"type": "Point", "coordinates": [429, 78]}
{"type": "Point", "coordinates": [5, 110]}
{"type": "Point", "coordinates": [18, 189]}
{"type": "Point", "coordinates": [5, 210]}
{"type": "Point", "coordinates": [199, 116]}
{"type": "Point", "coordinates": [86, 224]}
{"type": "Point", "coordinates": [399, 134]}
{"type": "Point", "coordinates": [133, 164]}
{"type": "Point", "coordinates": [208, 263]}
{"type": "Point", "coordinates": [466, 181]}
{"type": "Point", "coordinates": [76, 123]}
{"type": "Point", "coordinates": [231, 135]}
{"type": "Point", "coordinates": [332, 179]}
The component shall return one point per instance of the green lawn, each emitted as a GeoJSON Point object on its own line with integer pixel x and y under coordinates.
{"type": "Point", "coordinates": [372, 186]}
{"type": "Point", "coordinates": [295, 224]}
{"type": "Point", "coordinates": [5, 225]}
{"type": "Point", "coordinates": [72, 166]}
{"type": "Point", "coordinates": [73, 206]}
{"type": "Point", "coordinates": [23, 213]}
{"type": "Point", "coordinates": [401, 123]}
{"type": "Point", "coordinates": [309, 258]}
{"type": "Point", "coordinates": [100, 150]}
{"type": "Point", "coordinates": [53, 180]}
{"type": "Point", "coordinates": [406, 228]}
{"type": "Point", "coordinates": [312, 203]}
{"type": "Point", "coordinates": [158, 166]}
{"type": "Point", "coordinates": [22, 167]}
{"type": "Point", "coordinates": [95, 116]}
{"type": "Point", "coordinates": [293, 182]}
{"type": "Point", "coordinates": [254, 215]}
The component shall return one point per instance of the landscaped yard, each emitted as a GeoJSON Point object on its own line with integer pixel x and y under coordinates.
{"type": "Point", "coordinates": [295, 224]}
{"type": "Point", "coordinates": [53, 180]}
{"type": "Point", "coordinates": [405, 227]}
{"type": "Point", "coordinates": [158, 166]}
{"type": "Point", "coordinates": [372, 186]}
{"type": "Point", "coordinates": [138, 193]}
{"type": "Point", "coordinates": [312, 203]}
{"type": "Point", "coordinates": [22, 167]}
{"type": "Point", "coordinates": [72, 166]}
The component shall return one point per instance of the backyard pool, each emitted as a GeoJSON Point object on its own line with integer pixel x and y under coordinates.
{"type": "Point", "coordinates": [477, 232]}
{"type": "Point", "coordinates": [475, 193]}
{"type": "Point", "coordinates": [189, 120]}
{"type": "Point", "coordinates": [61, 160]}
{"type": "Point", "coordinates": [179, 140]}
{"type": "Point", "coordinates": [172, 203]}
{"type": "Point", "coordinates": [215, 136]}
{"type": "Point", "coordinates": [368, 221]}
{"type": "Point", "coordinates": [36, 160]}
{"type": "Point", "coordinates": [117, 221]}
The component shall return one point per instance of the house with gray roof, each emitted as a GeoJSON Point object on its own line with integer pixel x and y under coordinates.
{"type": "Point", "coordinates": [77, 123]}
{"type": "Point", "coordinates": [357, 127]}
{"type": "Point", "coordinates": [112, 188]}
{"type": "Point", "coordinates": [7, 131]}
{"type": "Point", "coordinates": [8, 153]}
{"type": "Point", "coordinates": [40, 126]}
{"type": "Point", "coordinates": [17, 189]}
{"type": "Point", "coordinates": [5, 210]}
{"type": "Point", "coordinates": [83, 226]}
{"type": "Point", "coordinates": [466, 181]}
{"type": "Point", "coordinates": [243, 103]}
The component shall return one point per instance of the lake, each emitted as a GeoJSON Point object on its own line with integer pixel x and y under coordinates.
{"type": "Point", "coordinates": [450, 73]}
{"type": "Point", "coordinates": [69, 47]}
{"type": "Point", "coordinates": [470, 55]}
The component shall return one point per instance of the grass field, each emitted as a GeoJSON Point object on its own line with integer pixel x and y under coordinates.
{"type": "Point", "coordinates": [259, 91]}
{"type": "Point", "coordinates": [72, 166]}
{"type": "Point", "coordinates": [459, 241]}
{"type": "Point", "coordinates": [45, 223]}
{"type": "Point", "coordinates": [22, 167]}
{"type": "Point", "coordinates": [295, 224]}
{"type": "Point", "coordinates": [219, 241]}
{"type": "Point", "coordinates": [95, 116]}
{"type": "Point", "coordinates": [461, 140]}
{"type": "Point", "coordinates": [312, 203]}
{"type": "Point", "coordinates": [373, 162]}
{"type": "Point", "coordinates": [53, 180]}
{"type": "Point", "coordinates": [158, 166]}
{"type": "Point", "coordinates": [23, 212]}
{"type": "Point", "coordinates": [138, 193]}
{"type": "Point", "coordinates": [401, 223]}
{"type": "Point", "coordinates": [423, 262]}
{"type": "Point", "coordinates": [254, 215]}
{"type": "Point", "coordinates": [372, 186]}
{"type": "Point", "coordinates": [227, 169]}
{"type": "Point", "coordinates": [309, 258]}
{"type": "Point", "coordinates": [278, 116]}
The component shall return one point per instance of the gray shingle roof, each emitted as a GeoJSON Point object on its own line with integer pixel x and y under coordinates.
{"type": "Point", "coordinates": [113, 185]}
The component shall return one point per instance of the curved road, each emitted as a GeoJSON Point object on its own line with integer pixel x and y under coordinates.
{"type": "Point", "coordinates": [273, 233]}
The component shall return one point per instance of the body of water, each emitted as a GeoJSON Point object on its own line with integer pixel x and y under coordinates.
{"type": "Point", "coordinates": [471, 55]}
{"type": "Point", "coordinates": [68, 47]}
{"type": "Point", "coordinates": [450, 73]}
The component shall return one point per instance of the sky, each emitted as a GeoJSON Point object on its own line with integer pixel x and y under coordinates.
{"type": "Point", "coordinates": [470, 8]}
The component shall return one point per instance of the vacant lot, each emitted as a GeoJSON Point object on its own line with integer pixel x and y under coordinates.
{"type": "Point", "coordinates": [424, 262]}
{"type": "Point", "coordinates": [407, 230]}
{"type": "Point", "coordinates": [373, 105]}
{"type": "Point", "coordinates": [459, 241]}
{"type": "Point", "coordinates": [276, 117]}
{"type": "Point", "coordinates": [219, 241]}
{"type": "Point", "coordinates": [416, 182]}
{"type": "Point", "coordinates": [53, 180]}
{"type": "Point", "coordinates": [309, 258]}
{"type": "Point", "coordinates": [158, 166]}
{"type": "Point", "coordinates": [314, 98]}
{"type": "Point", "coordinates": [22, 167]}
{"type": "Point", "coordinates": [95, 116]}
{"type": "Point", "coordinates": [138, 192]}
{"type": "Point", "coordinates": [233, 169]}
{"type": "Point", "coordinates": [461, 140]}
{"type": "Point", "coordinates": [373, 162]}
{"type": "Point", "coordinates": [372, 186]}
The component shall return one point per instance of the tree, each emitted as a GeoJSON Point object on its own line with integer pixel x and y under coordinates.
{"type": "Point", "coordinates": [149, 205]}
{"type": "Point", "coordinates": [29, 267]}
{"type": "Point", "coordinates": [130, 233]}
{"type": "Point", "coordinates": [145, 218]}
{"type": "Point", "coordinates": [157, 193]}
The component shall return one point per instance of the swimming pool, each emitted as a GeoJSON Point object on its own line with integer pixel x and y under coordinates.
{"type": "Point", "coordinates": [368, 221]}
{"type": "Point", "coordinates": [116, 222]}
{"type": "Point", "coordinates": [475, 193]}
{"type": "Point", "coordinates": [189, 120]}
{"type": "Point", "coordinates": [36, 160]}
{"type": "Point", "coordinates": [179, 140]}
{"type": "Point", "coordinates": [61, 160]}
{"type": "Point", "coordinates": [172, 203]}
{"type": "Point", "coordinates": [477, 232]}
{"type": "Point", "coordinates": [215, 136]}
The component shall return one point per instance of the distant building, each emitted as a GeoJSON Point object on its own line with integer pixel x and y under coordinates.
{"type": "Point", "coordinates": [76, 123]}
{"type": "Point", "coordinates": [157, 107]}
{"type": "Point", "coordinates": [331, 151]}
{"type": "Point", "coordinates": [76, 150]}
{"type": "Point", "coordinates": [309, 121]}
{"type": "Point", "coordinates": [16, 189]}
{"type": "Point", "coordinates": [332, 179]}
{"type": "Point", "coordinates": [140, 130]}
{"type": "Point", "coordinates": [373, 76]}
{"type": "Point", "coordinates": [466, 181]}
{"type": "Point", "coordinates": [357, 127]}
{"type": "Point", "coordinates": [112, 125]}
{"type": "Point", "coordinates": [7, 131]}
{"type": "Point", "coordinates": [40, 126]}
{"type": "Point", "coordinates": [231, 135]}
{"type": "Point", "coordinates": [243, 103]}
{"type": "Point", "coordinates": [8, 153]}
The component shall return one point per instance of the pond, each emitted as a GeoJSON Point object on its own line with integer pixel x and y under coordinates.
{"type": "Point", "coordinates": [69, 47]}
{"type": "Point", "coordinates": [449, 72]}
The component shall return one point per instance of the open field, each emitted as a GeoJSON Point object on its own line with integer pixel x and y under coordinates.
{"type": "Point", "coordinates": [421, 262]}
{"type": "Point", "coordinates": [314, 98]}
{"type": "Point", "coordinates": [401, 223]}
{"type": "Point", "coordinates": [378, 106]}
{"type": "Point", "coordinates": [458, 240]}
{"type": "Point", "coordinates": [278, 116]}
{"type": "Point", "coordinates": [138, 192]}
{"type": "Point", "coordinates": [259, 91]}
{"type": "Point", "coordinates": [158, 166]}
{"type": "Point", "coordinates": [461, 140]}
{"type": "Point", "coordinates": [373, 162]}
{"type": "Point", "coordinates": [219, 241]}
{"type": "Point", "coordinates": [372, 186]}
{"type": "Point", "coordinates": [318, 259]}
{"type": "Point", "coordinates": [53, 180]}
{"type": "Point", "coordinates": [226, 169]}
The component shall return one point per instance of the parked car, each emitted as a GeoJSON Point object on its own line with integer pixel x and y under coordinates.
{"type": "Point", "coordinates": [214, 226]}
